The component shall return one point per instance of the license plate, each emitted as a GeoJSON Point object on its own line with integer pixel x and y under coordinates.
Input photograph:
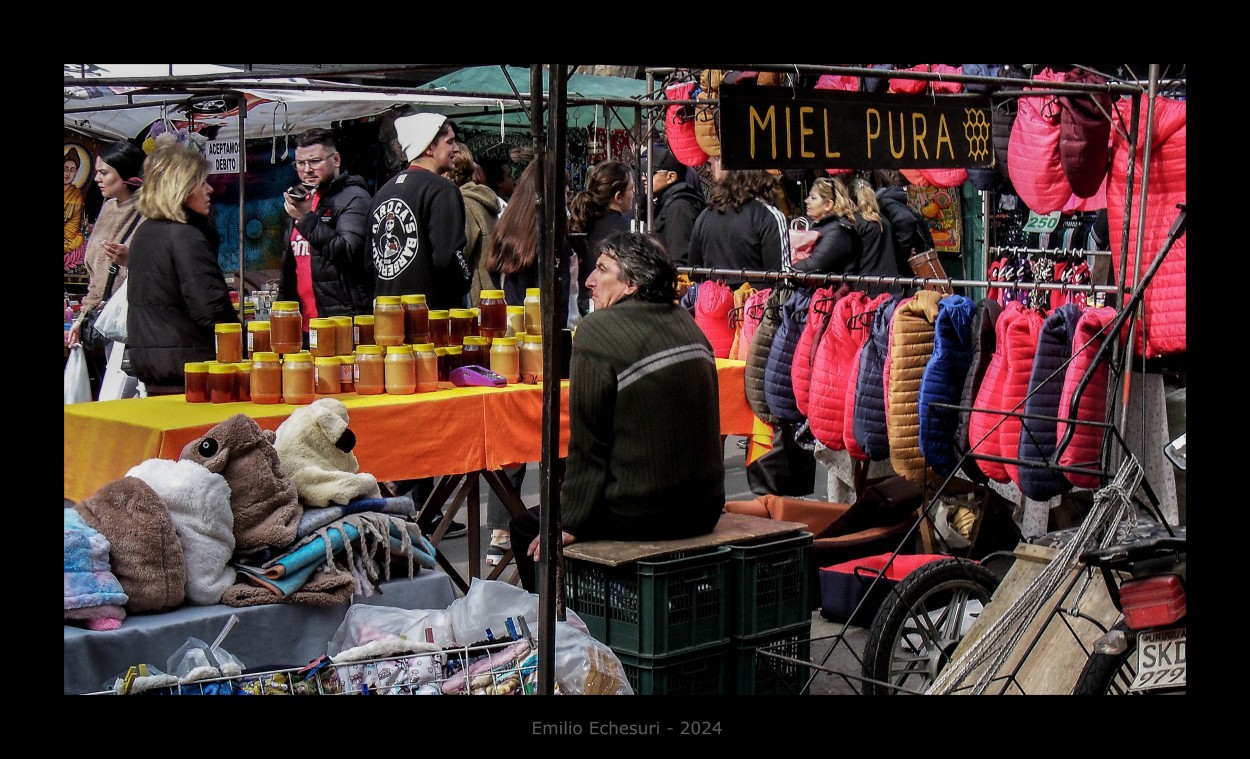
{"type": "Point", "coordinates": [1160, 659]}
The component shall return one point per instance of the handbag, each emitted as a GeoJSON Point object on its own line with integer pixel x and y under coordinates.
{"type": "Point", "coordinates": [802, 239]}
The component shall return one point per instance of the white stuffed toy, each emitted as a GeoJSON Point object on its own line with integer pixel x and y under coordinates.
{"type": "Point", "coordinates": [314, 448]}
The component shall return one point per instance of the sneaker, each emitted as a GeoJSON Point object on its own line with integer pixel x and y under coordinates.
{"type": "Point", "coordinates": [499, 545]}
{"type": "Point", "coordinates": [454, 530]}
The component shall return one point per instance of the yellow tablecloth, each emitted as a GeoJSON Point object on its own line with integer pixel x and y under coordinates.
{"type": "Point", "coordinates": [398, 437]}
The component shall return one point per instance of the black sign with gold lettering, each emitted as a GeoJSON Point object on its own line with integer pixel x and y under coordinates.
{"type": "Point", "coordinates": [780, 128]}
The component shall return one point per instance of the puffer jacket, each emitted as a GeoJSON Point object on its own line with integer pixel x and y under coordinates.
{"type": "Point", "coordinates": [1006, 382]}
{"type": "Point", "coordinates": [737, 318]}
{"type": "Point", "coordinates": [761, 346]}
{"type": "Point", "coordinates": [911, 347]}
{"type": "Point", "coordinates": [1034, 164]}
{"type": "Point", "coordinates": [679, 125]}
{"type": "Point", "coordinates": [711, 312]}
{"type": "Point", "coordinates": [1038, 436]}
{"type": "Point", "coordinates": [869, 422]}
{"type": "Point", "coordinates": [984, 340]}
{"type": "Point", "coordinates": [831, 369]}
{"type": "Point", "coordinates": [818, 313]}
{"type": "Point", "coordinates": [1084, 448]}
{"type": "Point", "coordinates": [752, 315]}
{"type": "Point", "coordinates": [943, 382]}
{"type": "Point", "coordinates": [176, 294]}
{"type": "Point", "coordinates": [1164, 305]}
{"type": "Point", "coordinates": [1084, 134]}
{"type": "Point", "coordinates": [338, 233]}
{"type": "Point", "coordinates": [778, 387]}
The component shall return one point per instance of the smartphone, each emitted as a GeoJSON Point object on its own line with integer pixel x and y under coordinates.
{"type": "Point", "coordinates": [297, 192]}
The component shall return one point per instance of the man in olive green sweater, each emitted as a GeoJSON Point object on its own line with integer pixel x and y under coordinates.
{"type": "Point", "coordinates": [645, 455]}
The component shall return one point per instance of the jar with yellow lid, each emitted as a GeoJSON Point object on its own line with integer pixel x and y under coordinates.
{"type": "Point", "coordinates": [441, 355]}
{"type": "Point", "coordinates": [326, 375]}
{"type": "Point", "coordinates": [533, 311]}
{"type": "Point", "coordinates": [363, 330]}
{"type": "Point", "coordinates": [299, 385]}
{"type": "Point", "coordinates": [258, 338]}
{"type": "Point", "coordinates": [493, 314]}
{"type": "Point", "coordinates": [532, 356]}
{"type": "Point", "coordinates": [266, 377]}
{"type": "Point", "coordinates": [347, 373]}
{"type": "Point", "coordinates": [461, 325]}
{"type": "Point", "coordinates": [476, 350]}
{"type": "Point", "coordinates": [516, 321]}
{"type": "Point", "coordinates": [369, 371]}
{"type": "Point", "coordinates": [195, 375]}
{"type": "Point", "coordinates": [505, 359]}
{"type": "Point", "coordinates": [286, 327]}
{"type": "Point", "coordinates": [401, 370]}
{"type": "Point", "coordinates": [221, 382]}
{"type": "Point", "coordinates": [229, 337]}
{"type": "Point", "coordinates": [344, 340]}
{"type": "Point", "coordinates": [323, 337]}
{"type": "Point", "coordinates": [455, 358]}
{"type": "Point", "coordinates": [440, 327]}
{"type": "Point", "coordinates": [427, 367]}
{"type": "Point", "coordinates": [243, 381]}
{"type": "Point", "coordinates": [388, 320]}
{"type": "Point", "coordinates": [416, 319]}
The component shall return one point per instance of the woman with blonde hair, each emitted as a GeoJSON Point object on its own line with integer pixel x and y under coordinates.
{"type": "Point", "coordinates": [878, 256]}
{"type": "Point", "coordinates": [832, 212]}
{"type": "Point", "coordinates": [177, 291]}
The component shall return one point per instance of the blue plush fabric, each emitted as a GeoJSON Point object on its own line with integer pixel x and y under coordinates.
{"type": "Point", "coordinates": [1038, 437]}
{"type": "Point", "coordinates": [869, 422]}
{"type": "Point", "coordinates": [89, 580]}
{"type": "Point", "coordinates": [943, 382]}
{"type": "Point", "coordinates": [778, 384]}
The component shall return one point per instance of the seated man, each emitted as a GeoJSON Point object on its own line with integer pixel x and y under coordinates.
{"type": "Point", "coordinates": [645, 455]}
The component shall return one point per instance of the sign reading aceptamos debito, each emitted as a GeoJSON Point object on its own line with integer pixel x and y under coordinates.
{"type": "Point", "coordinates": [780, 127]}
{"type": "Point", "coordinates": [223, 156]}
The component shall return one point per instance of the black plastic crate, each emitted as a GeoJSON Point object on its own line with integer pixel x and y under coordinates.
{"type": "Point", "coordinates": [754, 673]}
{"type": "Point", "coordinates": [770, 585]}
{"type": "Point", "coordinates": [652, 608]}
{"type": "Point", "coordinates": [702, 672]}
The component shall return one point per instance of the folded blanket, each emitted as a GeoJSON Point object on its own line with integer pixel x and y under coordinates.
{"type": "Point", "coordinates": [315, 519]}
{"type": "Point", "coordinates": [93, 593]}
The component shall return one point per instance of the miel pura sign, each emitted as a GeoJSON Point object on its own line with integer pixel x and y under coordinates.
{"type": "Point", "coordinates": [780, 127]}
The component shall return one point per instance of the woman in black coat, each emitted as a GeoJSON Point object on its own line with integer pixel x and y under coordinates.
{"type": "Point", "coordinates": [177, 291]}
{"type": "Point", "coordinates": [839, 247]}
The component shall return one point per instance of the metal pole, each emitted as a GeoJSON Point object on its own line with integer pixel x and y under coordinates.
{"type": "Point", "coordinates": [241, 104]}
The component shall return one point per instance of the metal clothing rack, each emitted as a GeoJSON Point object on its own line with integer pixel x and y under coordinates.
{"type": "Point", "coordinates": [1023, 251]}
{"type": "Point", "coordinates": [853, 279]}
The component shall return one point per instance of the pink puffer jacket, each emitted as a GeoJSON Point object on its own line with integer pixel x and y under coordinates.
{"type": "Point", "coordinates": [1085, 448]}
{"type": "Point", "coordinates": [833, 369]}
{"type": "Point", "coordinates": [1033, 158]}
{"type": "Point", "coordinates": [1003, 388]}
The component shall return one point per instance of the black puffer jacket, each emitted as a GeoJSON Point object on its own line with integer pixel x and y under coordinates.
{"type": "Point", "coordinates": [676, 209]}
{"type": "Point", "coordinates": [337, 233]}
{"type": "Point", "coordinates": [176, 294]}
{"type": "Point", "coordinates": [837, 250]}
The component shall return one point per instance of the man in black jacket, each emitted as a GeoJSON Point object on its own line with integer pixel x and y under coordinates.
{"type": "Point", "coordinates": [326, 266]}
{"type": "Point", "coordinates": [677, 204]}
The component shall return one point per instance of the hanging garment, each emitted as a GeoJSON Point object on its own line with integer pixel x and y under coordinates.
{"type": "Point", "coordinates": [752, 313]}
{"type": "Point", "coordinates": [818, 313]}
{"type": "Point", "coordinates": [705, 115]}
{"type": "Point", "coordinates": [1035, 168]}
{"type": "Point", "coordinates": [737, 317]}
{"type": "Point", "coordinates": [711, 312]}
{"type": "Point", "coordinates": [869, 423]}
{"type": "Point", "coordinates": [761, 346]}
{"type": "Point", "coordinates": [679, 125]}
{"type": "Point", "coordinates": [1085, 134]}
{"type": "Point", "coordinates": [1164, 303]}
{"type": "Point", "coordinates": [984, 340]}
{"type": "Point", "coordinates": [832, 365]}
{"type": "Point", "coordinates": [943, 382]}
{"type": "Point", "coordinates": [911, 347]}
{"type": "Point", "coordinates": [1006, 382]}
{"type": "Point", "coordinates": [1038, 436]}
{"type": "Point", "coordinates": [1084, 449]}
{"type": "Point", "coordinates": [778, 387]}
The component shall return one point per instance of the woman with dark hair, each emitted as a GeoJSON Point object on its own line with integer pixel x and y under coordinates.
{"type": "Point", "coordinates": [594, 214]}
{"type": "Point", "coordinates": [177, 291]}
{"type": "Point", "coordinates": [741, 228]}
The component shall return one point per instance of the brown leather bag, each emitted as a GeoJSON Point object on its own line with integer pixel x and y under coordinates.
{"type": "Point", "coordinates": [927, 264]}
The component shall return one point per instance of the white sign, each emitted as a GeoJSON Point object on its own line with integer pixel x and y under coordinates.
{"type": "Point", "coordinates": [223, 157]}
{"type": "Point", "coordinates": [1041, 224]}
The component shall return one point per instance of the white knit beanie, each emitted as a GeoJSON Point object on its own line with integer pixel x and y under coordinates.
{"type": "Point", "coordinates": [417, 131]}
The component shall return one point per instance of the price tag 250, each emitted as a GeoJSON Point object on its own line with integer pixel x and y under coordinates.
{"type": "Point", "coordinates": [1039, 224]}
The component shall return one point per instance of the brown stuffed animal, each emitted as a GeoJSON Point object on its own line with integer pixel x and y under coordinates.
{"type": "Point", "coordinates": [266, 506]}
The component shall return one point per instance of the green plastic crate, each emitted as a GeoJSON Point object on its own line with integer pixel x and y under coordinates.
{"type": "Point", "coordinates": [652, 608]}
{"type": "Point", "coordinates": [756, 674]}
{"type": "Point", "coordinates": [770, 585]}
{"type": "Point", "coordinates": [702, 672]}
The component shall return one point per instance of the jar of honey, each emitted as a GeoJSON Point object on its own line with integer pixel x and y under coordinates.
{"type": "Point", "coordinates": [494, 314]}
{"type": "Point", "coordinates": [532, 356]}
{"type": "Point", "coordinates": [299, 385]}
{"type": "Point", "coordinates": [455, 359]}
{"type": "Point", "coordinates": [462, 324]}
{"type": "Point", "coordinates": [344, 335]}
{"type": "Point", "coordinates": [369, 370]}
{"type": "Point", "coordinates": [416, 319]}
{"type": "Point", "coordinates": [266, 377]}
{"type": "Point", "coordinates": [323, 337]}
{"type": "Point", "coordinates": [258, 338]}
{"type": "Point", "coordinates": [427, 367]}
{"type": "Point", "coordinates": [476, 351]}
{"type": "Point", "coordinates": [221, 382]}
{"type": "Point", "coordinates": [441, 354]}
{"type": "Point", "coordinates": [347, 373]}
{"type": "Point", "coordinates": [440, 327]}
{"type": "Point", "coordinates": [401, 370]}
{"type": "Point", "coordinates": [243, 381]}
{"type": "Point", "coordinates": [327, 375]}
{"type": "Point", "coordinates": [364, 330]}
{"type": "Point", "coordinates": [533, 311]}
{"type": "Point", "coordinates": [195, 375]}
{"type": "Point", "coordinates": [286, 327]}
{"type": "Point", "coordinates": [505, 359]}
{"type": "Point", "coordinates": [229, 336]}
{"type": "Point", "coordinates": [388, 320]}
{"type": "Point", "coordinates": [516, 321]}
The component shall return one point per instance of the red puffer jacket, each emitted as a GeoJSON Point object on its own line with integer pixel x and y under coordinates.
{"type": "Point", "coordinates": [1085, 448]}
{"type": "Point", "coordinates": [834, 368]}
{"type": "Point", "coordinates": [1003, 388]}
{"type": "Point", "coordinates": [1033, 158]}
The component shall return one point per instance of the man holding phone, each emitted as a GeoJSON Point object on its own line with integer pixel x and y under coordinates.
{"type": "Point", "coordinates": [326, 263]}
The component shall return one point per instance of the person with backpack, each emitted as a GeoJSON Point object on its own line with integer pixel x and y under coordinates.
{"type": "Point", "coordinates": [677, 204]}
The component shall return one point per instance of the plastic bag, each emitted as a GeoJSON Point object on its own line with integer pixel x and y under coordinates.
{"type": "Point", "coordinates": [365, 623]}
{"type": "Point", "coordinates": [77, 383]}
{"type": "Point", "coordinates": [488, 603]}
{"type": "Point", "coordinates": [112, 319]}
{"type": "Point", "coordinates": [197, 660]}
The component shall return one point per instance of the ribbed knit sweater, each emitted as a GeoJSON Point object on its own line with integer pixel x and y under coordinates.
{"type": "Point", "coordinates": [644, 415]}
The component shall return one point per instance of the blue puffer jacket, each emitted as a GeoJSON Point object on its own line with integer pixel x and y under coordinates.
{"type": "Point", "coordinates": [984, 340]}
{"type": "Point", "coordinates": [869, 422]}
{"type": "Point", "coordinates": [1038, 437]}
{"type": "Point", "coordinates": [778, 385]}
{"type": "Point", "coordinates": [943, 382]}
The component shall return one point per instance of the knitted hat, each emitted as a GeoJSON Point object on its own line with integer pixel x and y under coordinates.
{"type": "Point", "coordinates": [417, 131]}
{"type": "Point", "coordinates": [145, 554]}
{"type": "Point", "coordinates": [199, 505]}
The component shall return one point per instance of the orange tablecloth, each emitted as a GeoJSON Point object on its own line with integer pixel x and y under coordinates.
{"type": "Point", "coordinates": [398, 437]}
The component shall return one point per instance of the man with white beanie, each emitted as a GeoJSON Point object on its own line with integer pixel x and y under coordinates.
{"type": "Point", "coordinates": [417, 219]}
{"type": "Point", "coordinates": [418, 241]}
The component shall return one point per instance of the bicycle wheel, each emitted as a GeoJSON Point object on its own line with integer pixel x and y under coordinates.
{"type": "Point", "coordinates": [920, 624]}
{"type": "Point", "coordinates": [1111, 674]}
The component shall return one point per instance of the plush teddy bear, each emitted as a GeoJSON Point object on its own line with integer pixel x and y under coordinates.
{"type": "Point", "coordinates": [315, 446]}
{"type": "Point", "coordinates": [263, 500]}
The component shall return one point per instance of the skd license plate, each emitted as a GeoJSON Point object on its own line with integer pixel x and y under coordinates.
{"type": "Point", "coordinates": [1160, 659]}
